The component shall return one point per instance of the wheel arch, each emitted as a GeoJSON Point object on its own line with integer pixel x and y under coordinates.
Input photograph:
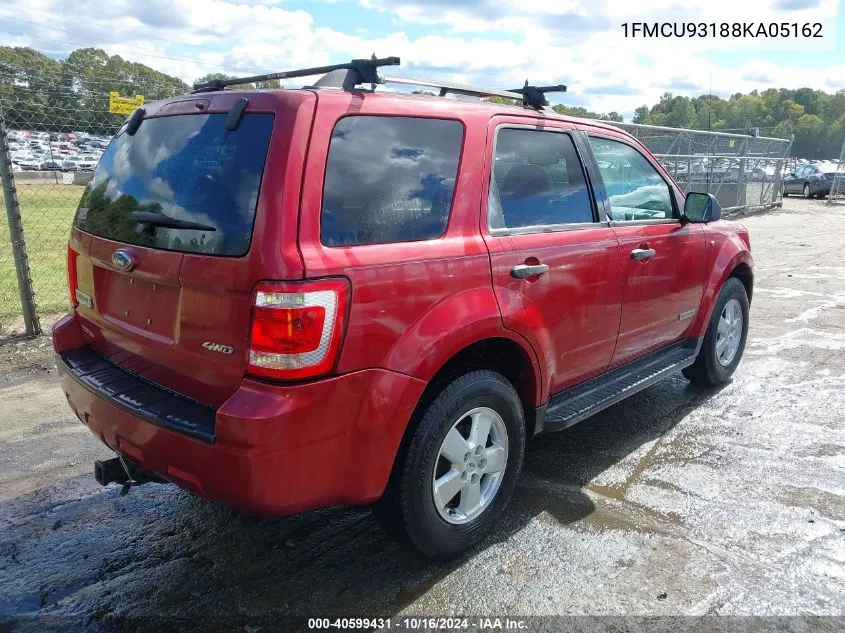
{"type": "Point", "coordinates": [743, 272]}
{"type": "Point", "coordinates": [501, 353]}
{"type": "Point", "coordinates": [733, 259]}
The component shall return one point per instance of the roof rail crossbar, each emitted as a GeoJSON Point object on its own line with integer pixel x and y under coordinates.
{"type": "Point", "coordinates": [535, 96]}
{"type": "Point", "coordinates": [453, 88]}
{"type": "Point", "coordinates": [361, 71]}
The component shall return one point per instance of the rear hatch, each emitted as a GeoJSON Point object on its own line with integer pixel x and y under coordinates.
{"type": "Point", "coordinates": [169, 238]}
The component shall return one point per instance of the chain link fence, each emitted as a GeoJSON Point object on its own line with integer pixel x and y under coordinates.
{"type": "Point", "coordinates": [742, 171]}
{"type": "Point", "coordinates": [53, 129]}
{"type": "Point", "coordinates": [837, 188]}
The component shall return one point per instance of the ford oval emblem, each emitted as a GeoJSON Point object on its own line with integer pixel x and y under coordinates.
{"type": "Point", "coordinates": [123, 260]}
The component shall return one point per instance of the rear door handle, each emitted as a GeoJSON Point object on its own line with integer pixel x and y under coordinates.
{"type": "Point", "coordinates": [524, 270]}
{"type": "Point", "coordinates": [642, 253]}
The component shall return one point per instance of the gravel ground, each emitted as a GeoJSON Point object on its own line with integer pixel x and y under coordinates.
{"type": "Point", "coordinates": [678, 501]}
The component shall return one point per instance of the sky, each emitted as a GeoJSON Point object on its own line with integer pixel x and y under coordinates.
{"type": "Point", "coordinates": [491, 43]}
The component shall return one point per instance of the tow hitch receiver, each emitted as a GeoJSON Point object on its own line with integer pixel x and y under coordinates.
{"type": "Point", "coordinates": [121, 471]}
{"type": "Point", "coordinates": [110, 471]}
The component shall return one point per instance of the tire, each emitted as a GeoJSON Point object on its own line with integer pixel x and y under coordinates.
{"type": "Point", "coordinates": [463, 405]}
{"type": "Point", "coordinates": [712, 368]}
{"type": "Point", "coordinates": [806, 191]}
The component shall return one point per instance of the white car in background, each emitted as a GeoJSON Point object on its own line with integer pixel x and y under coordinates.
{"type": "Point", "coordinates": [88, 162]}
{"type": "Point", "coordinates": [28, 161]}
{"type": "Point", "coordinates": [51, 164]}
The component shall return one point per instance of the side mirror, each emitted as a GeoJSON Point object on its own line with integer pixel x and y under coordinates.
{"type": "Point", "coordinates": [701, 207]}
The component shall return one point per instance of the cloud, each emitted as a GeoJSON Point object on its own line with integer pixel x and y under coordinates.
{"type": "Point", "coordinates": [681, 84]}
{"type": "Point", "coordinates": [758, 77]}
{"type": "Point", "coordinates": [611, 89]}
{"type": "Point", "coordinates": [796, 5]}
{"type": "Point", "coordinates": [487, 42]}
{"type": "Point", "coordinates": [160, 14]}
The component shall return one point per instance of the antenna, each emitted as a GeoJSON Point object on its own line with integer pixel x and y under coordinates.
{"type": "Point", "coordinates": [709, 130]}
{"type": "Point", "coordinates": [710, 106]}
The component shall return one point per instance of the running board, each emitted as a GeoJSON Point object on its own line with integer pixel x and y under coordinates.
{"type": "Point", "coordinates": [578, 403]}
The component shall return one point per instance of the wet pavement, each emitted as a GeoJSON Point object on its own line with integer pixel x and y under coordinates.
{"type": "Point", "coordinates": [678, 501]}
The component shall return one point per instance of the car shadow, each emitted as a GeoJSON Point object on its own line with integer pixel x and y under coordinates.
{"type": "Point", "coordinates": [78, 553]}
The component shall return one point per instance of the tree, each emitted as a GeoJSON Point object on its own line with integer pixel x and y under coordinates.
{"type": "Point", "coordinates": [500, 100]}
{"type": "Point", "coordinates": [258, 85]}
{"type": "Point", "coordinates": [42, 93]}
{"type": "Point", "coordinates": [681, 114]}
{"type": "Point", "coordinates": [583, 113]}
{"type": "Point", "coordinates": [640, 114]}
{"type": "Point", "coordinates": [791, 111]}
{"type": "Point", "coordinates": [809, 136]}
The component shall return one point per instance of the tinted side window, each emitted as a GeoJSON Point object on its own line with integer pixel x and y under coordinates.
{"type": "Point", "coordinates": [635, 188]}
{"type": "Point", "coordinates": [537, 180]}
{"type": "Point", "coordinates": [389, 179]}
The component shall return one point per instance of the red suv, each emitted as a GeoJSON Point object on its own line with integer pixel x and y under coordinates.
{"type": "Point", "coordinates": [291, 299]}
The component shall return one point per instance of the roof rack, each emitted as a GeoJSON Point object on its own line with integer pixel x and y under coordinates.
{"type": "Point", "coordinates": [453, 88]}
{"type": "Point", "coordinates": [359, 71]}
{"type": "Point", "coordinates": [365, 71]}
{"type": "Point", "coordinates": [530, 96]}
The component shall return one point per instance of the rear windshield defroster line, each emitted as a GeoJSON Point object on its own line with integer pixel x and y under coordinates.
{"type": "Point", "coordinates": [189, 169]}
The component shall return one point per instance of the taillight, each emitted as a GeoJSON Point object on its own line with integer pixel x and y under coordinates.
{"type": "Point", "coordinates": [72, 282]}
{"type": "Point", "coordinates": [297, 328]}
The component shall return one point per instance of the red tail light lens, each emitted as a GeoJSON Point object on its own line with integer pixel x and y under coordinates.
{"type": "Point", "coordinates": [297, 328]}
{"type": "Point", "coordinates": [72, 282]}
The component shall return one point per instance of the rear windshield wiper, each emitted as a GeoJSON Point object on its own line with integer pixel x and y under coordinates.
{"type": "Point", "coordinates": [159, 219]}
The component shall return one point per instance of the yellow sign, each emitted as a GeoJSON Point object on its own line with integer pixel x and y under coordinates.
{"type": "Point", "coordinates": [124, 105]}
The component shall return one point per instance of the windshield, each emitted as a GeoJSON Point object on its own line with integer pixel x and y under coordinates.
{"type": "Point", "coordinates": [188, 168]}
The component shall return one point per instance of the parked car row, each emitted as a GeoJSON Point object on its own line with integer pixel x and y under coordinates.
{"type": "Point", "coordinates": [720, 169]}
{"type": "Point", "coordinates": [801, 176]}
{"type": "Point", "coordinates": [46, 151]}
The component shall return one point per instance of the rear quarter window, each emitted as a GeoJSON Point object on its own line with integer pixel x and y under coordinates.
{"type": "Point", "coordinates": [389, 179]}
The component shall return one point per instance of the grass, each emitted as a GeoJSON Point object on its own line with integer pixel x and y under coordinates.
{"type": "Point", "coordinates": [47, 212]}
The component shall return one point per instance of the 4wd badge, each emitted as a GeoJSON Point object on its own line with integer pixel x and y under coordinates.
{"type": "Point", "coordinates": [217, 347]}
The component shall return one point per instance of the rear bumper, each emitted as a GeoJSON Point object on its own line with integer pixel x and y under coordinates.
{"type": "Point", "coordinates": [273, 449]}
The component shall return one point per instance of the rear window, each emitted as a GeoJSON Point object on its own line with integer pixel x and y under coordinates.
{"type": "Point", "coordinates": [389, 179]}
{"type": "Point", "coordinates": [186, 169]}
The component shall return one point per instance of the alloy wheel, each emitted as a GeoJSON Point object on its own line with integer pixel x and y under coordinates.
{"type": "Point", "coordinates": [729, 333]}
{"type": "Point", "coordinates": [470, 465]}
